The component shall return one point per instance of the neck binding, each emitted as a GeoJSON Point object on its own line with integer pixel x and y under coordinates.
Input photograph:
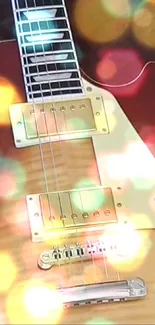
{"type": "Point", "coordinates": [47, 51]}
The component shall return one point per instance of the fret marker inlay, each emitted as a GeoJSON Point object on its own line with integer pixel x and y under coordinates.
{"type": "Point", "coordinates": [49, 58]}
{"type": "Point", "coordinates": [56, 76]}
{"type": "Point", "coordinates": [44, 37]}
{"type": "Point", "coordinates": [40, 14]}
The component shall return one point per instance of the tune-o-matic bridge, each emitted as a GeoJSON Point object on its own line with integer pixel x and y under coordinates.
{"type": "Point", "coordinates": [78, 252]}
{"type": "Point", "coordinates": [35, 123]}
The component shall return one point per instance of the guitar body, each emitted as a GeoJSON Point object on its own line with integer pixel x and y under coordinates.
{"type": "Point", "coordinates": [21, 175]}
{"type": "Point", "coordinates": [82, 175]}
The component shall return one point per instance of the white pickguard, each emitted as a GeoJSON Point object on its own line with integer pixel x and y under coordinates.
{"type": "Point", "coordinates": [125, 162]}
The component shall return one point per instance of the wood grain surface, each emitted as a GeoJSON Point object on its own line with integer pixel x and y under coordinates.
{"type": "Point", "coordinates": [20, 174]}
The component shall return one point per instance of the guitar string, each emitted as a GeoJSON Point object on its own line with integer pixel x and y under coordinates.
{"type": "Point", "coordinates": [70, 273]}
{"type": "Point", "coordinates": [36, 117]}
{"type": "Point", "coordinates": [58, 133]}
{"type": "Point", "coordinates": [47, 126]}
{"type": "Point", "coordinates": [122, 85]}
{"type": "Point", "coordinates": [60, 143]}
{"type": "Point", "coordinates": [71, 97]}
{"type": "Point", "coordinates": [58, 195]}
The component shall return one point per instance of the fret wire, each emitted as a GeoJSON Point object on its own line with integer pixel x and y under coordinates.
{"type": "Point", "coordinates": [47, 42]}
{"type": "Point", "coordinates": [48, 62]}
{"type": "Point", "coordinates": [39, 8]}
{"type": "Point", "coordinates": [50, 52]}
{"type": "Point", "coordinates": [44, 31]}
{"type": "Point", "coordinates": [41, 19]}
{"type": "Point", "coordinates": [37, 43]}
{"type": "Point", "coordinates": [57, 89]}
{"type": "Point", "coordinates": [53, 81]}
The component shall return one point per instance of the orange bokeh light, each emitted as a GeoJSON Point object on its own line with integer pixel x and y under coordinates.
{"type": "Point", "coordinates": [95, 24]}
{"type": "Point", "coordinates": [143, 24]}
{"type": "Point", "coordinates": [8, 272]}
{"type": "Point", "coordinates": [8, 96]}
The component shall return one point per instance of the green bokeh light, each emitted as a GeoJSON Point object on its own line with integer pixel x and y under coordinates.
{"type": "Point", "coordinates": [88, 200]}
{"type": "Point", "coordinates": [77, 123]}
{"type": "Point", "coordinates": [17, 172]}
{"type": "Point", "coordinates": [99, 321]}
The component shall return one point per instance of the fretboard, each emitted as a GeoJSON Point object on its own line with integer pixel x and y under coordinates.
{"type": "Point", "coordinates": [48, 56]}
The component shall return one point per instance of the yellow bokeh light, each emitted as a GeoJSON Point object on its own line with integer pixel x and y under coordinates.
{"type": "Point", "coordinates": [142, 177]}
{"type": "Point", "coordinates": [34, 302]}
{"type": "Point", "coordinates": [8, 272]}
{"type": "Point", "coordinates": [116, 166]}
{"type": "Point", "coordinates": [136, 244]}
{"type": "Point", "coordinates": [143, 25]}
{"type": "Point", "coordinates": [94, 23]}
{"type": "Point", "coordinates": [8, 96]}
{"type": "Point", "coordinates": [119, 8]}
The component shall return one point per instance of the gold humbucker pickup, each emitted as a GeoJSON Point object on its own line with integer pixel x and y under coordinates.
{"type": "Point", "coordinates": [68, 213]}
{"type": "Point", "coordinates": [42, 122]}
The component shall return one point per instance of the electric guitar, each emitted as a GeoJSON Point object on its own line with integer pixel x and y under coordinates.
{"type": "Point", "coordinates": [77, 194]}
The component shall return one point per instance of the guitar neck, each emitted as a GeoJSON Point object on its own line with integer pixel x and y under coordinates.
{"type": "Point", "coordinates": [47, 51]}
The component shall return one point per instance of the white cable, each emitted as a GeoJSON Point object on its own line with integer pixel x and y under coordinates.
{"type": "Point", "coordinates": [123, 85]}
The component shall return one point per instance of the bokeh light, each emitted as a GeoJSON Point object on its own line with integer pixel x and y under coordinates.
{"type": "Point", "coordinates": [142, 178]}
{"type": "Point", "coordinates": [120, 68]}
{"type": "Point", "coordinates": [18, 223]}
{"type": "Point", "coordinates": [8, 96]}
{"type": "Point", "coordinates": [3, 319]}
{"type": "Point", "coordinates": [90, 200]}
{"type": "Point", "coordinates": [143, 24]}
{"type": "Point", "coordinates": [120, 235]}
{"type": "Point", "coordinates": [8, 272]}
{"type": "Point", "coordinates": [39, 301]}
{"type": "Point", "coordinates": [116, 167]}
{"type": "Point", "coordinates": [138, 245]}
{"type": "Point", "coordinates": [99, 321]}
{"type": "Point", "coordinates": [12, 176]}
{"type": "Point", "coordinates": [147, 133]}
{"type": "Point", "coordinates": [131, 164]}
{"type": "Point", "coordinates": [105, 27]}
{"type": "Point", "coordinates": [76, 123]}
{"type": "Point", "coordinates": [122, 8]}
{"type": "Point", "coordinates": [34, 302]}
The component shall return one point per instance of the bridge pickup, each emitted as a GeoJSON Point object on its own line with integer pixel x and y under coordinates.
{"type": "Point", "coordinates": [59, 120]}
{"type": "Point", "coordinates": [68, 213]}
{"type": "Point", "coordinates": [103, 292]}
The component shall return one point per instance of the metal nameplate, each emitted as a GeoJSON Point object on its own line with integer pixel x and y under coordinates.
{"type": "Point", "coordinates": [41, 122]}
{"type": "Point", "coordinates": [103, 292]}
{"type": "Point", "coordinates": [68, 213]}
